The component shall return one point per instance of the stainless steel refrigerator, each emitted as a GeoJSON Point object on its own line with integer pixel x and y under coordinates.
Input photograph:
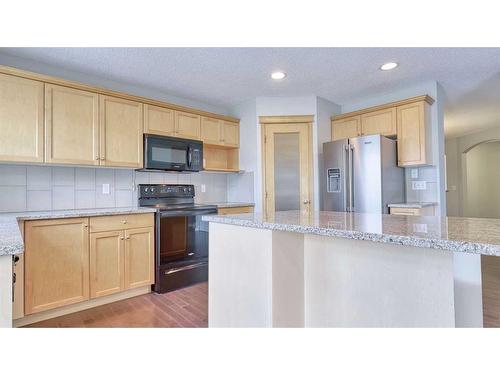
{"type": "Point", "coordinates": [361, 175]}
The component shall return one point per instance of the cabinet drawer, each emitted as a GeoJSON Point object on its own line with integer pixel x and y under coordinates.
{"type": "Point", "coordinates": [405, 211]}
{"type": "Point", "coordinates": [234, 210]}
{"type": "Point", "coordinates": [119, 222]}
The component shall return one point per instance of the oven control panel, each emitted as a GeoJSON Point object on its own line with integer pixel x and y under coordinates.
{"type": "Point", "coordinates": [165, 191]}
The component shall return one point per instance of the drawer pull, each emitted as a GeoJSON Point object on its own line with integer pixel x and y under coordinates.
{"type": "Point", "coordinates": [124, 221]}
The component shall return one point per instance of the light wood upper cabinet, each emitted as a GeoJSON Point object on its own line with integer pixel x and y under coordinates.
{"type": "Point", "coordinates": [159, 120]}
{"type": "Point", "coordinates": [107, 268]}
{"type": "Point", "coordinates": [379, 122]}
{"type": "Point", "coordinates": [139, 257]}
{"type": "Point", "coordinates": [21, 119]}
{"type": "Point", "coordinates": [56, 263]}
{"type": "Point", "coordinates": [121, 141]}
{"type": "Point", "coordinates": [211, 131]}
{"type": "Point", "coordinates": [414, 134]}
{"type": "Point", "coordinates": [187, 125]}
{"type": "Point", "coordinates": [346, 128]}
{"type": "Point", "coordinates": [231, 134]}
{"type": "Point", "coordinates": [71, 126]}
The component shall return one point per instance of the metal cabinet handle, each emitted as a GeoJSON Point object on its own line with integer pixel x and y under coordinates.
{"type": "Point", "coordinates": [124, 221]}
{"type": "Point", "coordinates": [127, 238]}
{"type": "Point", "coordinates": [121, 238]}
{"type": "Point", "coordinates": [102, 158]}
{"type": "Point", "coordinates": [307, 201]}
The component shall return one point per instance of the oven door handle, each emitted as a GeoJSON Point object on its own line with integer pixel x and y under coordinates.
{"type": "Point", "coordinates": [185, 268]}
{"type": "Point", "coordinates": [187, 213]}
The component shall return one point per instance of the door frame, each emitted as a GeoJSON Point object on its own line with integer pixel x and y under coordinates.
{"type": "Point", "coordinates": [306, 120]}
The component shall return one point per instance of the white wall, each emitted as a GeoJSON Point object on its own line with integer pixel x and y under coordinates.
{"type": "Point", "coordinates": [434, 175]}
{"type": "Point", "coordinates": [455, 149]}
{"type": "Point", "coordinates": [37, 67]}
{"type": "Point", "coordinates": [483, 181]}
{"type": "Point", "coordinates": [5, 291]}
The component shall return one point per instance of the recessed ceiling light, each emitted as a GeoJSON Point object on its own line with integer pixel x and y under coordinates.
{"type": "Point", "coordinates": [278, 75]}
{"type": "Point", "coordinates": [389, 66]}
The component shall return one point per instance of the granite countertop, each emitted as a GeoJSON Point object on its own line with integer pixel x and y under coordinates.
{"type": "Point", "coordinates": [468, 235]}
{"type": "Point", "coordinates": [412, 205]}
{"type": "Point", "coordinates": [11, 241]}
{"type": "Point", "coordinates": [230, 204]}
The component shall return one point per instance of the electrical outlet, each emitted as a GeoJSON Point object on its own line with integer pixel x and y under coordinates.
{"type": "Point", "coordinates": [203, 188]}
{"type": "Point", "coordinates": [105, 188]}
{"type": "Point", "coordinates": [414, 173]}
{"type": "Point", "coordinates": [419, 185]}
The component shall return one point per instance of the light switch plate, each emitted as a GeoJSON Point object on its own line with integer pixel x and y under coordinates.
{"type": "Point", "coordinates": [419, 185]}
{"type": "Point", "coordinates": [105, 188]}
{"type": "Point", "coordinates": [203, 188]}
{"type": "Point", "coordinates": [414, 173]}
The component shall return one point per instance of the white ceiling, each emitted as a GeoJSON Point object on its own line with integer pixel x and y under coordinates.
{"type": "Point", "coordinates": [227, 76]}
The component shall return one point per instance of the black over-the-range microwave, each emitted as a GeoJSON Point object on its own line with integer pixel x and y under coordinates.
{"type": "Point", "coordinates": [172, 154]}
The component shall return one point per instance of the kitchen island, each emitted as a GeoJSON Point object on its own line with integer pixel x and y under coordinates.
{"type": "Point", "coordinates": [337, 269]}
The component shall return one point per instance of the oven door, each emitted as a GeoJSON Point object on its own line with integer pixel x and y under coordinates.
{"type": "Point", "coordinates": [182, 238]}
{"type": "Point", "coordinates": [165, 153]}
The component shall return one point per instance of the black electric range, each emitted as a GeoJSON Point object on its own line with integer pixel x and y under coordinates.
{"type": "Point", "coordinates": [181, 255]}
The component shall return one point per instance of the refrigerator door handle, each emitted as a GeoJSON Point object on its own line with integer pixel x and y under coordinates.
{"type": "Point", "coordinates": [351, 205]}
{"type": "Point", "coordinates": [346, 177]}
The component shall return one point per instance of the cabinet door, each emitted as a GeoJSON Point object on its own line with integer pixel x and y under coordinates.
{"type": "Point", "coordinates": [187, 125]}
{"type": "Point", "coordinates": [107, 266]}
{"type": "Point", "coordinates": [231, 135]}
{"type": "Point", "coordinates": [21, 119]}
{"type": "Point", "coordinates": [56, 263]}
{"type": "Point", "coordinates": [158, 120]}
{"type": "Point", "coordinates": [71, 126]}
{"type": "Point", "coordinates": [139, 257]}
{"type": "Point", "coordinates": [211, 131]}
{"type": "Point", "coordinates": [121, 129]}
{"type": "Point", "coordinates": [379, 122]}
{"type": "Point", "coordinates": [346, 128]}
{"type": "Point", "coordinates": [411, 134]}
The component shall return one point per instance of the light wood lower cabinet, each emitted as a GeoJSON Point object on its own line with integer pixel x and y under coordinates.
{"type": "Point", "coordinates": [106, 263]}
{"type": "Point", "coordinates": [424, 211]}
{"type": "Point", "coordinates": [139, 257]}
{"type": "Point", "coordinates": [65, 263]}
{"type": "Point", "coordinates": [21, 119]}
{"type": "Point", "coordinates": [235, 210]}
{"type": "Point", "coordinates": [56, 263]}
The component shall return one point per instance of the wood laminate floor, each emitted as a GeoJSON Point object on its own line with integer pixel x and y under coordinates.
{"type": "Point", "coordinates": [186, 307]}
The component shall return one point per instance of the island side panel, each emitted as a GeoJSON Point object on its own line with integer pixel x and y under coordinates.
{"type": "Point", "coordinates": [239, 276]}
{"type": "Point", "coordinates": [288, 279]}
{"type": "Point", "coordinates": [5, 291]}
{"type": "Point", "coordinates": [354, 283]}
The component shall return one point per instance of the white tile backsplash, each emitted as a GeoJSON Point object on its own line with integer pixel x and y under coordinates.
{"type": "Point", "coordinates": [85, 199]}
{"type": "Point", "coordinates": [85, 178]}
{"type": "Point", "coordinates": [12, 198]}
{"type": "Point", "coordinates": [12, 175]}
{"type": "Point", "coordinates": [63, 197]}
{"type": "Point", "coordinates": [124, 179]}
{"type": "Point", "coordinates": [39, 200]}
{"type": "Point", "coordinates": [63, 176]}
{"type": "Point", "coordinates": [39, 178]}
{"type": "Point", "coordinates": [37, 188]}
{"type": "Point", "coordinates": [124, 198]}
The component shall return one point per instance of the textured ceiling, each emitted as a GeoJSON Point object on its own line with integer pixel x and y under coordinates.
{"type": "Point", "coordinates": [227, 76]}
